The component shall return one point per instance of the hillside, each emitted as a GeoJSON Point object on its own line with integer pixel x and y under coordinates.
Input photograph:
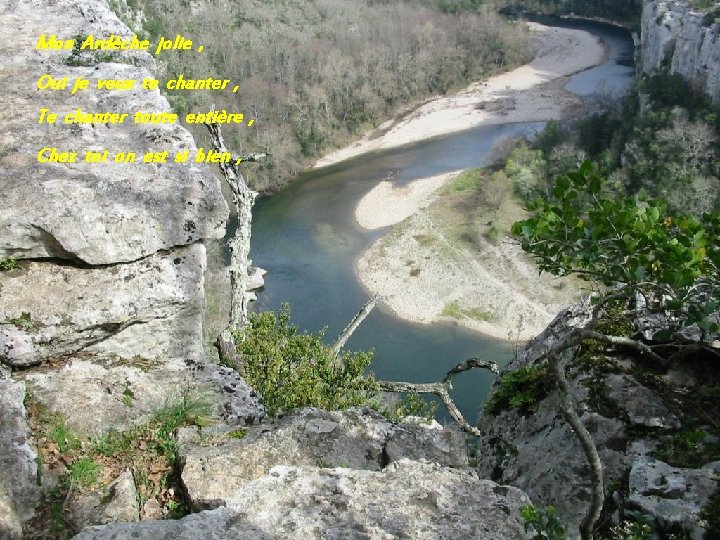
{"type": "Point", "coordinates": [316, 74]}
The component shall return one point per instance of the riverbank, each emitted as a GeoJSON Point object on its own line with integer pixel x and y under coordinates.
{"type": "Point", "coordinates": [449, 256]}
{"type": "Point", "coordinates": [531, 93]}
{"type": "Point", "coordinates": [453, 261]}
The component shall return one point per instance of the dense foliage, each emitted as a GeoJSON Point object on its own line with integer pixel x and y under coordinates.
{"type": "Point", "coordinates": [632, 244]}
{"type": "Point", "coordinates": [291, 369]}
{"type": "Point", "coordinates": [521, 389]}
{"type": "Point", "coordinates": [663, 140]}
{"type": "Point", "coordinates": [315, 74]}
{"type": "Point", "coordinates": [622, 11]}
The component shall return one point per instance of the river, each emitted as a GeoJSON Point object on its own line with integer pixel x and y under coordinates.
{"type": "Point", "coordinates": [307, 238]}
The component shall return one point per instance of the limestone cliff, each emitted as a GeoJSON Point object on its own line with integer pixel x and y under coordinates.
{"type": "Point", "coordinates": [637, 416]}
{"type": "Point", "coordinates": [102, 293]}
{"type": "Point", "coordinates": [683, 40]}
{"type": "Point", "coordinates": [116, 249]}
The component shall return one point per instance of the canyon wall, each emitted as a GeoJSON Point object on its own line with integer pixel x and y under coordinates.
{"type": "Point", "coordinates": [683, 40]}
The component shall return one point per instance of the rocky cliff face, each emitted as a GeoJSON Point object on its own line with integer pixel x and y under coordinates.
{"type": "Point", "coordinates": [683, 40]}
{"type": "Point", "coordinates": [634, 415]}
{"type": "Point", "coordinates": [101, 314]}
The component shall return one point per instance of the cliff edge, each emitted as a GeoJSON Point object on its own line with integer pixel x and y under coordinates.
{"type": "Point", "coordinates": [683, 40]}
{"type": "Point", "coordinates": [102, 289]}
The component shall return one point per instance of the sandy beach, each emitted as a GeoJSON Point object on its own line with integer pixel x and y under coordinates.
{"type": "Point", "coordinates": [387, 204]}
{"type": "Point", "coordinates": [423, 274]}
{"type": "Point", "coordinates": [530, 93]}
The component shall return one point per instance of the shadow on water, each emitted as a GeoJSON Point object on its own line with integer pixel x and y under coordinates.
{"type": "Point", "coordinates": [307, 238]}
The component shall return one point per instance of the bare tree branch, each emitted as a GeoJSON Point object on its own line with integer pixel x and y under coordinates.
{"type": "Point", "coordinates": [469, 364]}
{"type": "Point", "coordinates": [356, 321]}
{"type": "Point", "coordinates": [567, 408]}
{"type": "Point", "coordinates": [442, 389]}
{"type": "Point", "coordinates": [244, 198]}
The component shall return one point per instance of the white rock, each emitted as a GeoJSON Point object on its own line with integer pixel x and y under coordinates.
{"type": "Point", "coordinates": [674, 36]}
{"type": "Point", "coordinates": [98, 213]}
{"type": "Point", "coordinates": [406, 500]}
{"type": "Point", "coordinates": [19, 492]}
{"type": "Point", "coordinates": [95, 398]}
{"type": "Point", "coordinates": [216, 462]}
{"type": "Point", "coordinates": [117, 502]}
{"type": "Point", "coordinates": [672, 495]}
{"type": "Point", "coordinates": [151, 308]}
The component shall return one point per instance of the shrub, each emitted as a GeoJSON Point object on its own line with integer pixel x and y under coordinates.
{"type": "Point", "coordinates": [291, 369]}
{"type": "Point", "coordinates": [521, 389]}
{"type": "Point", "coordinates": [9, 263]}
{"type": "Point", "coordinates": [634, 245]}
{"type": "Point", "coordinates": [543, 523]}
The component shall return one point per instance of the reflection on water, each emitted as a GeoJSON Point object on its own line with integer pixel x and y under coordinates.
{"type": "Point", "coordinates": [307, 238]}
{"type": "Point", "coordinates": [613, 78]}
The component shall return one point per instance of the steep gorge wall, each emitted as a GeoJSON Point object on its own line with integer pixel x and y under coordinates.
{"type": "Point", "coordinates": [127, 236]}
{"type": "Point", "coordinates": [683, 40]}
{"type": "Point", "coordinates": [101, 321]}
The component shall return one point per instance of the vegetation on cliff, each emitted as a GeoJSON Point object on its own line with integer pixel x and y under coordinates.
{"type": "Point", "coordinates": [661, 141]}
{"type": "Point", "coordinates": [292, 369]}
{"type": "Point", "coordinates": [653, 261]}
{"type": "Point", "coordinates": [656, 280]}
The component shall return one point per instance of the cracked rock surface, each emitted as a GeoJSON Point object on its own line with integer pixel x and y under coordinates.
{"type": "Point", "coordinates": [217, 460]}
{"type": "Point", "coordinates": [150, 308]}
{"type": "Point", "coordinates": [407, 499]}
{"type": "Point", "coordinates": [97, 213]}
{"type": "Point", "coordinates": [95, 398]}
{"type": "Point", "coordinates": [19, 492]}
{"type": "Point", "coordinates": [101, 321]}
{"type": "Point", "coordinates": [679, 38]}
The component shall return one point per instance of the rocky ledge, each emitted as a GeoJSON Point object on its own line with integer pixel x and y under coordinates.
{"type": "Point", "coordinates": [102, 282]}
{"type": "Point", "coordinates": [405, 500]}
{"type": "Point", "coordinates": [638, 416]}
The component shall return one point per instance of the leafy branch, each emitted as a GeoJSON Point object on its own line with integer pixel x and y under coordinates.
{"type": "Point", "coordinates": [646, 263]}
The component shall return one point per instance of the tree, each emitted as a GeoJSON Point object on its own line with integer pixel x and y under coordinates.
{"type": "Point", "coordinates": [239, 270]}
{"type": "Point", "coordinates": [647, 259]}
{"type": "Point", "coordinates": [645, 264]}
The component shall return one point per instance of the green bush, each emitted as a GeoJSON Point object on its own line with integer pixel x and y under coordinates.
{"type": "Point", "coordinates": [635, 245]}
{"type": "Point", "coordinates": [543, 523]}
{"type": "Point", "coordinates": [291, 369]}
{"type": "Point", "coordinates": [466, 181]}
{"type": "Point", "coordinates": [689, 448]}
{"type": "Point", "coordinates": [525, 168]}
{"type": "Point", "coordinates": [521, 389]}
{"type": "Point", "coordinates": [9, 263]}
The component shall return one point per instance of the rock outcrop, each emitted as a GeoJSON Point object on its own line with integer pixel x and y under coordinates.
{"type": "Point", "coordinates": [218, 461]}
{"type": "Point", "coordinates": [150, 308]}
{"type": "Point", "coordinates": [405, 500]}
{"type": "Point", "coordinates": [682, 40]}
{"type": "Point", "coordinates": [537, 451]}
{"type": "Point", "coordinates": [122, 241]}
{"type": "Point", "coordinates": [673, 495]}
{"type": "Point", "coordinates": [102, 289]}
{"type": "Point", "coordinates": [19, 492]}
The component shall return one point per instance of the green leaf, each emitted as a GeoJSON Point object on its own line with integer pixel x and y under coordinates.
{"type": "Point", "coordinates": [561, 187]}
{"type": "Point", "coordinates": [586, 167]}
